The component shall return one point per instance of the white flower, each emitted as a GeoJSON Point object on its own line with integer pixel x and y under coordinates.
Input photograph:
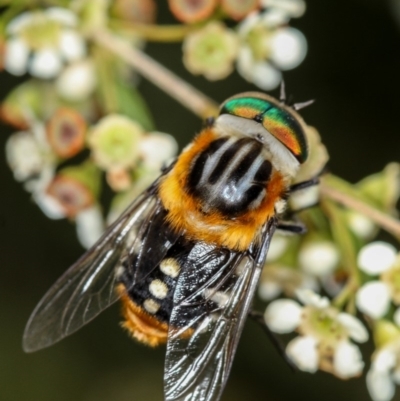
{"type": "Point", "coordinates": [48, 205]}
{"type": "Point", "coordinates": [30, 157]}
{"type": "Point", "coordinates": [288, 48]}
{"type": "Point", "coordinates": [325, 334]}
{"type": "Point", "coordinates": [277, 279]}
{"type": "Point", "coordinates": [114, 142]}
{"type": "Point", "coordinates": [40, 42]}
{"type": "Point", "coordinates": [77, 81]}
{"type": "Point", "coordinates": [156, 149]}
{"type": "Point", "coordinates": [267, 46]}
{"type": "Point", "coordinates": [305, 198]}
{"type": "Point", "coordinates": [376, 257]}
{"type": "Point", "coordinates": [361, 225]}
{"type": "Point", "coordinates": [211, 51]}
{"type": "Point", "coordinates": [318, 258]}
{"type": "Point", "coordinates": [89, 226]}
{"type": "Point", "coordinates": [384, 373]}
{"type": "Point", "coordinates": [374, 297]}
{"type": "Point", "coordinates": [283, 315]}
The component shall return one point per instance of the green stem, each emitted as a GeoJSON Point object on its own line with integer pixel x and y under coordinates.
{"type": "Point", "coordinates": [153, 32]}
{"type": "Point", "coordinates": [347, 196]}
{"type": "Point", "coordinates": [342, 298]}
{"type": "Point", "coordinates": [107, 90]}
{"type": "Point", "coordinates": [342, 236]}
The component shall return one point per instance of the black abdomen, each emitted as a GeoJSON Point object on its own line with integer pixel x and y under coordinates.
{"type": "Point", "coordinates": [230, 176]}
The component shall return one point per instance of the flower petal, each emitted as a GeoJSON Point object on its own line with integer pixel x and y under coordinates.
{"type": "Point", "coordinates": [373, 299]}
{"type": "Point", "coordinates": [156, 149]}
{"type": "Point", "coordinates": [356, 329]}
{"type": "Point", "coordinates": [308, 297]}
{"type": "Point", "coordinates": [305, 198]}
{"type": "Point", "coordinates": [46, 64]}
{"type": "Point", "coordinates": [16, 56]}
{"type": "Point", "coordinates": [283, 315]}
{"type": "Point", "coordinates": [380, 386]}
{"type": "Point", "coordinates": [19, 22]}
{"type": "Point", "coordinates": [72, 45]}
{"type": "Point", "coordinates": [274, 18]}
{"type": "Point", "coordinates": [376, 257]}
{"type": "Point", "coordinates": [89, 226]}
{"type": "Point", "coordinates": [288, 48]}
{"type": "Point", "coordinates": [360, 224]}
{"type": "Point", "coordinates": [24, 155]}
{"type": "Point", "coordinates": [77, 81]}
{"type": "Point", "coordinates": [318, 258]}
{"type": "Point", "coordinates": [49, 206]}
{"type": "Point", "coordinates": [62, 15]}
{"type": "Point", "coordinates": [293, 8]}
{"type": "Point", "coordinates": [265, 76]}
{"type": "Point", "coordinates": [268, 290]}
{"type": "Point", "coordinates": [303, 352]}
{"type": "Point", "coordinates": [347, 360]}
{"type": "Point", "coordinates": [384, 361]}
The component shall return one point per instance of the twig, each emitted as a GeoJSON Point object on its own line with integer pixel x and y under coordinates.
{"type": "Point", "coordinates": [184, 93]}
{"type": "Point", "coordinates": [388, 223]}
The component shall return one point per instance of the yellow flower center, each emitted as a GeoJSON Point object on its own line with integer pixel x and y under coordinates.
{"type": "Point", "coordinates": [323, 325]}
{"type": "Point", "coordinates": [257, 40]}
{"type": "Point", "coordinates": [41, 32]}
{"type": "Point", "coordinates": [391, 277]}
{"type": "Point", "coordinates": [213, 49]}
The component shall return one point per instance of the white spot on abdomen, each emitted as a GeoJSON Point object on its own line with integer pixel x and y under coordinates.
{"type": "Point", "coordinates": [170, 267]}
{"type": "Point", "coordinates": [158, 289]}
{"type": "Point", "coordinates": [151, 306]}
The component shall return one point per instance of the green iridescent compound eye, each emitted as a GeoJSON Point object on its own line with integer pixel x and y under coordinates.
{"type": "Point", "coordinates": [245, 107]}
{"type": "Point", "coordinates": [283, 124]}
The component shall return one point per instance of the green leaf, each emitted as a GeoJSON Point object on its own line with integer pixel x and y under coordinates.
{"type": "Point", "coordinates": [383, 187]}
{"type": "Point", "coordinates": [116, 94]}
{"type": "Point", "coordinates": [132, 104]}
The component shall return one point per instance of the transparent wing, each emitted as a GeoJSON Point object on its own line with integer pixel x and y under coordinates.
{"type": "Point", "coordinates": [211, 303]}
{"type": "Point", "coordinates": [88, 286]}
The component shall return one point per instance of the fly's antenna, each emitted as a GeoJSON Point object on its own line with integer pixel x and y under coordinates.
{"type": "Point", "coordinates": [302, 105]}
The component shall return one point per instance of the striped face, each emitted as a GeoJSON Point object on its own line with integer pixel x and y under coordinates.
{"type": "Point", "coordinates": [230, 176]}
{"type": "Point", "coordinates": [278, 120]}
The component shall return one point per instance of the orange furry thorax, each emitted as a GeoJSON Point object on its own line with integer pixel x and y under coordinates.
{"type": "Point", "coordinates": [185, 212]}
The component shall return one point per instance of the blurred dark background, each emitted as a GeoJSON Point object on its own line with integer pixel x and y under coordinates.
{"type": "Point", "coordinates": [353, 71]}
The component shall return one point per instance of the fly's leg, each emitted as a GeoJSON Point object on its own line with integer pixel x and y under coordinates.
{"type": "Point", "coordinates": [297, 227]}
{"type": "Point", "coordinates": [258, 317]}
{"type": "Point", "coordinates": [292, 227]}
{"type": "Point", "coordinates": [304, 184]}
